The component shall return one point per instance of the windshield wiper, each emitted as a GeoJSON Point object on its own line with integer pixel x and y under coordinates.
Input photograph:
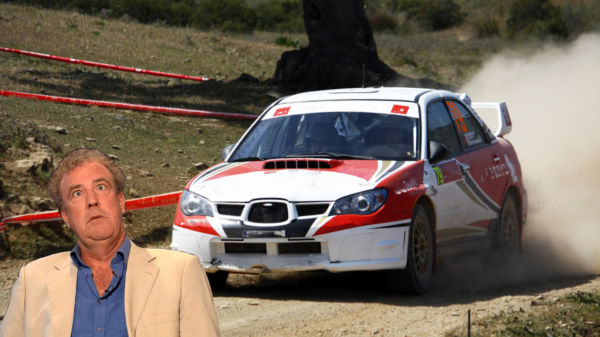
{"type": "Point", "coordinates": [328, 155]}
{"type": "Point", "coordinates": [248, 159]}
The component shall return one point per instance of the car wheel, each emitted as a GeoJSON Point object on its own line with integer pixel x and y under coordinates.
{"type": "Point", "coordinates": [415, 278]}
{"type": "Point", "coordinates": [217, 280]}
{"type": "Point", "coordinates": [508, 234]}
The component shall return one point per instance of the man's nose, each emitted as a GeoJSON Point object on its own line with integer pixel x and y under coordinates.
{"type": "Point", "coordinates": [92, 199]}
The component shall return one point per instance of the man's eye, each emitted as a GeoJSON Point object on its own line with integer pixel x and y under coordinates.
{"type": "Point", "coordinates": [77, 193]}
{"type": "Point", "coordinates": [101, 187]}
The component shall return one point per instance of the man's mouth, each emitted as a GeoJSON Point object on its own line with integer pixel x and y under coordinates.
{"type": "Point", "coordinates": [95, 217]}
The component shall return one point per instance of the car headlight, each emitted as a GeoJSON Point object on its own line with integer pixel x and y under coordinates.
{"type": "Point", "coordinates": [193, 204]}
{"type": "Point", "coordinates": [360, 203]}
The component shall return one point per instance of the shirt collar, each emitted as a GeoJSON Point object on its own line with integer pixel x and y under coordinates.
{"type": "Point", "coordinates": [122, 253]}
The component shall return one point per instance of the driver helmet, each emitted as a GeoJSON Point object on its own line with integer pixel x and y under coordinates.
{"type": "Point", "coordinates": [322, 137]}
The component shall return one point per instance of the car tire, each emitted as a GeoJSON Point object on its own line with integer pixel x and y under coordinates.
{"type": "Point", "coordinates": [507, 239]}
{"type": "Point", "coordinates": [217, 280]}
{"type": "Point", "coordinates": [416, 276]}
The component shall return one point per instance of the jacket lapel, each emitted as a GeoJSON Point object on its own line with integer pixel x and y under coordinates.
{"type": "Point", "coordinates": [62, 286]}
{"type": "Point", "coordinates": [140, 277]}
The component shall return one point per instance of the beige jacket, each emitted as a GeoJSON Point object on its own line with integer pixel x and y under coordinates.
{"type": "Point", "coordinates": [166, 294]}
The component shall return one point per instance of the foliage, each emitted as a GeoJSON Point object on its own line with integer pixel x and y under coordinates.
{"type": "Point", "coordinates": [280, 16]}
{"type": "Point", "coordinates": [18, 138]}
{"type": "Point", "coordinates": [536, 17]}
{"type": "Point", "coordinates": [382, 22]}
{"type": "Point", "coordinates": [226, 15]}
{"type": "Point", "coordinates": [486, 27]}
{"type": "Point", "coordinates": [434, 14]}
{"type": "Point", "coordinates": [286, 41]}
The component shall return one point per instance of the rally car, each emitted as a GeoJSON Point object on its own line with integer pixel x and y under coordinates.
{"type": "Point", "coordinates": [355, 180]}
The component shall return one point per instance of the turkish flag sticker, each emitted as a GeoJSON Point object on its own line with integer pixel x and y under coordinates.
{"type": "Point", "coordinates": [281, 112]}
{"type": "Point", "coordinates": [400, 109]}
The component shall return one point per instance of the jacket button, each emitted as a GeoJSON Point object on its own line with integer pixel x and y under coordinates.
{"type": "Point", "coordinates": [99, 329]}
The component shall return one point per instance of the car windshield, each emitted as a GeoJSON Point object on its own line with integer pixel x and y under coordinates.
{"type": "Point", "coordinates": [345, 135]}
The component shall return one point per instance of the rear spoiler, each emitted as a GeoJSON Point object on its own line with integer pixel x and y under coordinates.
{"type": "Point", "coordinates": [504, 122]}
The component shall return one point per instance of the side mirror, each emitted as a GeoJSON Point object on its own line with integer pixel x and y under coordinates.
{"type": "Point", "coordinates": [437, 152]}
{"type": "Point", "coordinates": [226, 151]}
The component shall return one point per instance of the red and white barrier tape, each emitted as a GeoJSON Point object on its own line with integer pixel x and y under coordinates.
{"type": "Point", "coordinates": [130, 205]}
{"type": "Point", "coordinates": [102, 65]}
{"type": "Point", "coordinates": [179, 111]}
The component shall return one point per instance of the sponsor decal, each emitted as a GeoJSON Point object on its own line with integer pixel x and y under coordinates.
{"type": "Point", "coordinates": [471, 139]}
{"type": "Point", "coordinates": [506, 115]}
{"type": "Point", "coordinates": [410, 186]}
{"type": "Point", "coordinates": [460, 123]}
{"type": "Point", "coordinates": [438, 175]}
{"type": "Point", "coordinates": [400, 109]}
{"type": "Point", "coordinates": [281, 111]}
{"type": "Point", "coordinates": [496, 171]}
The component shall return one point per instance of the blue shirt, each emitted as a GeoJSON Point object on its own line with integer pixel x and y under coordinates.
{"type": "Point", "coordinates": [97, 316]}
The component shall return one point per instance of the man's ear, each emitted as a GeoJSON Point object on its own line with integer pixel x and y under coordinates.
{"type": "Point", "coordinates": [65, 217]}
{"type": "Point", "coordinates": [121, 198]}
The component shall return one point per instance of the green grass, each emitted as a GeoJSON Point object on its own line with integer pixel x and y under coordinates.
{"type": "Point", "coordinates": [577, 314]}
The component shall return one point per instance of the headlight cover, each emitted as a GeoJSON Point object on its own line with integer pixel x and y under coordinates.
{"type": "Point", "coordinates": [193, 204]}
{"type": "Point", "coordinates": [360, 203]}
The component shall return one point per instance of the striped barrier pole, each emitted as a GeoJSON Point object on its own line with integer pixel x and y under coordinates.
{"type": "Point", "coordinates": [141, 107]}
{"type": "Point", "coordinates": [102, 65]}
{"type": "Point", "coordinates": [130, 205]}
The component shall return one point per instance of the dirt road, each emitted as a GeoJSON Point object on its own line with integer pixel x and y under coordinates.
{"type": "Point", "coordinates": [351, 304]}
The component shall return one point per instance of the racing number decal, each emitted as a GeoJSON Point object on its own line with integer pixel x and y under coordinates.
{"type": "Point", "coordinates": [457, 117]}
{"type": "Point", "coordinates": [438, 174]}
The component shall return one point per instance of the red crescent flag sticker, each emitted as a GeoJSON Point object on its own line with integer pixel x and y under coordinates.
{"type": "Point", "coordinates": [281, 112]}
{"type": "Point", "coordinates": [400, 109]}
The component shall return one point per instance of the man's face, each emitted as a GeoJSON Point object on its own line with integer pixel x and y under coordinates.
{"type": "Point", "coordinates": [92, 208]}
{"type": "Point", "coordinates": [321, 145]}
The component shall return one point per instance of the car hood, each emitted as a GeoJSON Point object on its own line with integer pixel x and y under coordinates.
{"type": "Point", "coordinates": [243, 182]}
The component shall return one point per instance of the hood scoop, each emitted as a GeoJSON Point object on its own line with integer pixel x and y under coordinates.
{"type": "Point", "coordinates": [301, 164]}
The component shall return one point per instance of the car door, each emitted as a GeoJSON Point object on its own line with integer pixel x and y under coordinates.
{"type": "Point", "coordinates": [452, 204]}
{"type": "Point", "coordinates": [490, 167]}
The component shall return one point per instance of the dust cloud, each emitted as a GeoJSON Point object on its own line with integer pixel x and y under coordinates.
{"type": "Point", "coordinates": [553, 98]}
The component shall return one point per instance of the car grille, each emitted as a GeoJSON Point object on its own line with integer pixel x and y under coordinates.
{"type": "Point", "coordinates": [313, 209]}
{"type": "Point", "coordinates": [246, 248]}
{"type": "Point", "coordinates": [234, 210]}
{"type": "Point", "coordinates": [268, 212]}
{"type": "Point", "coordinates": [300, 248]}
{"type": "Point", "coordinates": [296, 164]}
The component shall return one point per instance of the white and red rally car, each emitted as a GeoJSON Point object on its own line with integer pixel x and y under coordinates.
{"type": "Point", "coordinates": [357, 179]}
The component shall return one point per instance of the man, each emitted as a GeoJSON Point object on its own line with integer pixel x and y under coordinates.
{"type": "Point", "coordinates": [106, 286]}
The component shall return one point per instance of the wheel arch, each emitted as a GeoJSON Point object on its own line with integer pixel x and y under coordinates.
{"type": "Point", "coordinates": [514, 192]}
{"type": "Point", "coordinates": [427, 203]}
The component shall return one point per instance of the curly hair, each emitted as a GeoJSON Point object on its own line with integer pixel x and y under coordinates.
{"type": "Point", "coordinates": [76, 158]}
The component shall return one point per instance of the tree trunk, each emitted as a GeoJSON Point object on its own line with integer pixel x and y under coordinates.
{"type": "Point", "coordinates": [340, 43]}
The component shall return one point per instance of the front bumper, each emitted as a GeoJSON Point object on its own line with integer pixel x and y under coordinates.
{"type": "Point", "coordinates": [363, 248]}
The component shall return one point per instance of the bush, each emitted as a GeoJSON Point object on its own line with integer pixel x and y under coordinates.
{"type": "Point", "coordinates": [536, 17]}
{"type": "Point", "coordinates": [226, 15]}
{"type": "Point", "coordinates": [381, 22]}
{"type": "Point", "coordinates": [486, 27]}
{"type": "Point", "coordinates": [287, 41]}
{"type": "Point", "coordinates": [281, 16]}
{"type": "Point", "coordinates": [434, 14]}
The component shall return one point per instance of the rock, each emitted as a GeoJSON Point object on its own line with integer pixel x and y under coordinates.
{"type": "Point", "coordinates": [21, 209]}
{"type": "Point", "coordinates": [253, 303]}
{"type": "Point", "coordinates": [179, 151]}
{"type": "Point", "coordinates": [112, 156]}
{"type": "Point", "coordinates": [134, 193]}
{"type": "Point", "coordinates": [32, 140]}
{"type": "Point", "coordinates": [67, 145]}
{"type": "Point", "coordinates": [200, 131]}
{"type": "Point", "coordinates": [116, 147]}
{"type": "Point", "coordinates": [44, 159]}
{"type": "Point", "coordinates": [455, 314]}
{"type": "Point", "coordinates": [90, 139]}
{"type": "Point", "coordinates": [202, 142]}
{"type": "Point", "coordinates": [157, 151]}
{"type": "Point", "coordinates": [188, 60]}
{"type": "Point", "coordinates": [165, 165]}
{"type": "Point", "coordinates": [175, 82]}
{"type": "Point", "coordinates": [139, 240]}
{"type": "Point", "coordinates": [42, 204]}
{"type": "Point", "coordinates": [200, 166]}
{"type": "Point", "coordinates": [145, 174]}
{"type": "Point", "coordinates": [116, 127]}
{"type": "Point", "coordinates": [90, 118]}
{"type": "Point", "coordinates": [26, 166]}
{"type": "Point", "coordinates": [60, 130]}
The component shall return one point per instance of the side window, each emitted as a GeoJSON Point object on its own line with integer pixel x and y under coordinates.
{"type": "Point", "coordinates": [469, 129]}
{"type": "Point", "coordinates": [440, 128]}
